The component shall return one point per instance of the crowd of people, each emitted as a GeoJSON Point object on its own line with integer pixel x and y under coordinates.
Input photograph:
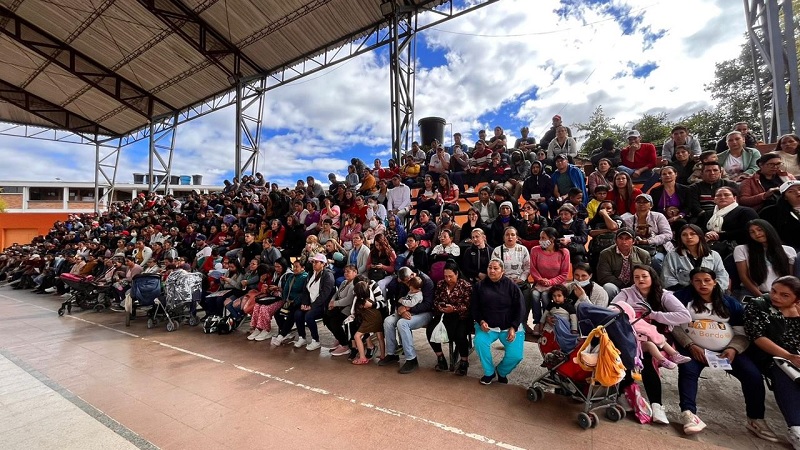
{"type": "Point", "coordinates": [707, 237]}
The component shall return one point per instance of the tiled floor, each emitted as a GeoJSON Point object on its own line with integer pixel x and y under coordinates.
{"type": "Point", "coordinates": [189, 390]}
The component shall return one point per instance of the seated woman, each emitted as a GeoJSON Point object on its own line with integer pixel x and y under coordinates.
{"type": "Point", "coordinates": [691, 252]}
{"type": "Point", "coordinates": [726, 227]}
{"type": "Point", "coordinates": [531, 225]}
{"type": "Point", "coordinates": [498, 310]}
{"type": "Point", "coordinates": [295, 238]}
{"type": "Point", "coordinates": [710, 308]}
{"type": "Point", "coordinates": [277, 232]}
{"type": "Point", "coordinates": [395, 233]}
{"type": "Point", "coordinates": [667, 311]}
{"type": "Point", "coordinates": [549, 267]}
{"type": "Point", "coordinates": [762, 259]}
{"type": "Point", "coordinates": [350, 228]}
{"type": "Point", "coordinates": [319, 289]}
{"type": "Point", "coordinates": [263, 312]}
{"type": "Point", "coordinates": [451, 307]}
{"type": "Point", "coordinates": [783, 215]}
{"type": "Point", "coordinates": [473, 222]}
{"type": "Point", "coordinates": [312, 248]}
{"type": "Point", "coordinates": [291, 291]}
{"type": "Point", "coordinates": [330, 211]}
{"type": "Point", "coordinates": [380, 262]}
{"type": "Point", "coordinates": [602, 176]}
{"type": "Point", "coordinates": [772, 323]}
{"type": "Point", "coordinates": [787, 149]}
{"type": "Point", "coordinates": [327, 232]}
{"type": "Point", "coordinates": [448, 193]}
{"type": "Point", "coordinates": [311, 221]}
{"type": "Point", "coordinates": [763, 188]}
{"type": "Point", "coordinates": [339, 308]}
{"type": "Point", "coordinates": [573, 232]}
{"type": "Point", "coordinates": [538, 187]}
{"type": "Point", "coordinates": [671, 199]}
{"type": "Point", "coordinates": [623, 194]}
{"type": "Point", "coordinates": [427, 197]}
{"type": "Point", "coordinates": [583, 290]}
{"type": "Point", "coordinates": [231, 282]}
{"type": "Point", "coordinates": [683, 165]}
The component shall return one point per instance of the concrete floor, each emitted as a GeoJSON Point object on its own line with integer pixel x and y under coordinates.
{"type": "Point", "coordinates": [89, 381]}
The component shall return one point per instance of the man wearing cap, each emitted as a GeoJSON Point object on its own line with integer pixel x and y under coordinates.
{"type": "Point", "coordinates": [651, 227]}
{"type": "Point", "coordinates": [203, 250]}
{"type": "Point", "coordinates": [615, 265]}
{"type": "Point", "coordinates": [566, 177]}
{"type": "Point", "coordinates": [785, 214]}
{"type": "Point", "coordinates": [439, 164]}
{"type": "Point", "coordinates": [679, 136]}
{"type": "Point", "coordinates": [407, 319]}
{"type": "Point", "coordinates": [701, 194]}
{"type": "Point", "coordinates": [638, 160]}
{"type": "Point", "coordinates": [551, 133]}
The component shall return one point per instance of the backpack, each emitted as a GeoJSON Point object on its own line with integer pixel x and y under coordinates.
{"type": "Point", "coordinates": [211, 324]}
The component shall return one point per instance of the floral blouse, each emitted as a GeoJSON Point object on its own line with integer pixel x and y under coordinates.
{"type": "Point", "coordinates": [760, 323]}
{"type": "Point", "coordinates": [458, 297]}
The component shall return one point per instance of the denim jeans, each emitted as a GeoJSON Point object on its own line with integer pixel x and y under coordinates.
{"type": "Point", "coordinates": [395, 324]}
{"type": "Point", "coordinates": [743, 369]}
{"type": "Point", "coordinates": [539, 302]}
{"type": "Point", "coordinates": [303, 319]}
{"type": "Point", "coordinates": [787, 396]}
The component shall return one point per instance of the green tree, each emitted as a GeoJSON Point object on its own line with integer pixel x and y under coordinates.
{"type": "Point", "coordinates": [598, 128]}
{"type": "Point", "coordinates": [654, 128]}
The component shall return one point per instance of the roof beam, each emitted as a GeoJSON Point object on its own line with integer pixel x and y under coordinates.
{"type": "Point", "coordinates": [43, 109]}
{"type": "Point", "coordinates": [78, 64]}
{"type": "Point", "coordinates": [201, 36]}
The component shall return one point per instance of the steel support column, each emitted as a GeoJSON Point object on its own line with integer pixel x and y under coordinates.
{"type": "Point", "coordinates": [105, 172]}
{"type": "Point", "coordinates": [162, 141]}
{"type": "Point", "coordinates": [402, 64]}
{"type": "Point", "coordinates": [249, 120]}
{"type": "Point", "coordinates": [777, 47]}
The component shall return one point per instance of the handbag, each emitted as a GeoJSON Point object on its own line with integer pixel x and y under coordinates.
{"type": "Point", "coordinates": [268, 300]}
{"type": "Point", "coordinates": [376, 274]}
{"type": "Point", "coordinates": [439, 334]}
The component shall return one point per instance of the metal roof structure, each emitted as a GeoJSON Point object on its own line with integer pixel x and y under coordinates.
{"type": "Point", "coordinates": [109, 67]}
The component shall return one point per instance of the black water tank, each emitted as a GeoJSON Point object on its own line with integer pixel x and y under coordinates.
{"type": "Point", "coordinates": [431, 128]}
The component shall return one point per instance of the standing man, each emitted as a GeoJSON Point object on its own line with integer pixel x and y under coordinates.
{"type": "Point", "coordinates": [551, 133]}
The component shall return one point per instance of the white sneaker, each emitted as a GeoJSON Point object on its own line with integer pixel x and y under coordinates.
{"type": "Point", "coordinates": [470, 190]}
{"type": "Point", "coordinates": [691, 423]}
{"type": "Point", "coordinates": [659, 415]}
{"type": "Point", "coordinates": [50, 290]}
{"type": "Point", "coordinates": [300, 342]}
{"type": "Point", "coordinates": [793, 436]}
{"type": "Point", "coordinates": [66, 295]}
{"type": "Point", "coordinates": [313, 345]}
{"type": "Point", "coordinates": [278, 340]}
{"type": "Point", "coordinates": [263, 336]}
{"type": "Point", "coordinates": [254, 334]}
{"type": "Point", "coordinates": [760, 428]}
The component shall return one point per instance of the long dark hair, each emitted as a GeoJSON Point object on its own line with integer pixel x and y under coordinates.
{"type": "Point", "coordinates": [703, 248]}
{"type": "Point", "coordinates": [553, 233]}
{"type": "Point", "coordinates": [758, 256]}
{"type": "Point", "coordinates": [628, 186]}
{"type": "Point", "coordinates": [791, 282]}
{"type": "Point", "coordinates": [656, 289]}
{"type": "Point", "coordinates": [718, 306]}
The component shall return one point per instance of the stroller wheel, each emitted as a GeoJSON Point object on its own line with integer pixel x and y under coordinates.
{"type": "Point", "coordinates": [535, 393]}
{"type": "Point", "coordinates": [193, 321]}
{"type": "Point", "coordinates": [150, 324]}
{"type": "Point", "coordinates": [584, 421]}
{"type": "Point", "coordinates": [99, 307]}
{"type": "Point", "coordinates": [613, 413]}
{"type": "Point", "coordinates": [595, 419]}
{"type": "Point", "coordinates": [172, 326]}
{"type": "Point", "coordinates": [61, 311]}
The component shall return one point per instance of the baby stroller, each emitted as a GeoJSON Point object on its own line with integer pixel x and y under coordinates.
{"type": "Point", "coordinates": [560, 350]}
{"type": "Point", "coordinates": [145, 290]}
{"type": "Point", "coordinates": [182, 291]}
{"type": "Point", "coordinates": [84, 293]}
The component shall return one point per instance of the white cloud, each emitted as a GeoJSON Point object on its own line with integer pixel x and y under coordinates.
{"type": "Point", "coordinates": [474, 80]}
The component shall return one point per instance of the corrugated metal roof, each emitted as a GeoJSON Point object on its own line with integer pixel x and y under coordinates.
{"type": "Point", "coordinates": [131, 65]}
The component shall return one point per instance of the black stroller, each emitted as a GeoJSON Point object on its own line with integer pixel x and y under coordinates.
{"type": "Point", "coordinates": [145, 290]}
{"type": "Point", "coordinates": [84, 293]}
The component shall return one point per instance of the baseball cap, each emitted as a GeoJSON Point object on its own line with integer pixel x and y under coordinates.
{"type": "Point", "coordinates": [557, 117]}
{"type": "Point", "coordinates": [632, 133]}
{"type": "Point", "coordinates": [785, 186]}
{"type": "Point", "coordinates": [646, 197]}
{"type": "Point", "coordinates": [625, 230]}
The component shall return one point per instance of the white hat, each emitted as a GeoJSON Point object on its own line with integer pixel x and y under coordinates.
{"type": "Point", "coordinates": [785, 186]}
{"type": "Point", "coordinates": [319, 257]}
{"type": "Point", "coordinates": [507, 203]}
{"type": "Point", "coordinates": [632, 133]}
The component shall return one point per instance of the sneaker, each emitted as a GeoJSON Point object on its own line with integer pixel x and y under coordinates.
{"type": "Point", "coordinates": [369, 353]}
{"type": "Point", "coordinates": [341, 350]}
{"type": "Point", "coordinates": [313, 345]}
{"type": "Point", "coordinates": [441, 364]}
{"type": "Point", "coordinates": [760, 428]}
{"type": "Point", "coordinates": [278, 340]}
{"type": "Point", "coordinates": [667, 364]}
{"type": "Point", "coordinates": [793, 436]}
{"type": "Point", "coordinates": [659, 415]}
{"type": "Point", "coordinates": [691, 423]}
{"type": "Point", "coordinates": [470, 190]}
{"type": "Point", "coordinates": [487, 380]}
{"type": "Point", "coordinates": [252, 336]}
{"type": "Point", "coordinates": [116, 307]}
{"type": "Point", "coordinates": [501, 380]}
{"type": "Point", "coordinates": [50, 290]}
{"type": "Point", "coordinates": [461, 368]}
{"type": "Point", "coordinates": [263, 336]}
{"type": "Point", "coordinates": [409, 366]}
{"type": "Point", "coordinates": [388, 359]}
{"type": "Point", "coordinates": [679, 359]}
{"type": "Point", "coordinates": [66, 295]}
{"type": "Point", "coordinates": [300, 342]}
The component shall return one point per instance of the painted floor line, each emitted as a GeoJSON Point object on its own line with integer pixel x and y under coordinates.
{"type": "Point", "coordinates": [395, 413]}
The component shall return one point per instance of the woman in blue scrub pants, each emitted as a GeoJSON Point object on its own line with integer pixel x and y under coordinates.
{"type": "Point", "coordinates": [498, 309]}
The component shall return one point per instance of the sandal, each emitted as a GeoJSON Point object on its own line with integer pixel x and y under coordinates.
{"type": "Point", "coordinates": [360, 361]}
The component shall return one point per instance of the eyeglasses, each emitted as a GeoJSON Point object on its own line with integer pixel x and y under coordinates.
{"type": "Point", "coordinates": [777, 164]}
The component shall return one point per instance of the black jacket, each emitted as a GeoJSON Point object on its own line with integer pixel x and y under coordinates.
{"type": "Point", "coordinates": [499, 303]}
{"type": "Point", "coordinates": [474, 261]}
{"type": "Point", "coordinates": [786, 220]}
{"type": "Point", "coordinates": [683, 197]}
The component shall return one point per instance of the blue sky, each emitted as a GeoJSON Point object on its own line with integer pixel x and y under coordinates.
{"type": "Point", "coordinates": [513, 63]}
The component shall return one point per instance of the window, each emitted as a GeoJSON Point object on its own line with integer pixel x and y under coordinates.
{"type": "Point", "coordinates": [81, 195]}
{"type": "Point", "coordinates": [46, 193]}
{"type": "Point", "coordinates": [11, 190]}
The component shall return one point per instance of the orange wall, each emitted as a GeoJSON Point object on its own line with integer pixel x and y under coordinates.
{"type": "Point", "coordinates": [39, 221]}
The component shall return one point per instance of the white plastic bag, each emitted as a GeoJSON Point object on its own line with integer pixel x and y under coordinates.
{"type": "Point", "coordinates": [439, 334]}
